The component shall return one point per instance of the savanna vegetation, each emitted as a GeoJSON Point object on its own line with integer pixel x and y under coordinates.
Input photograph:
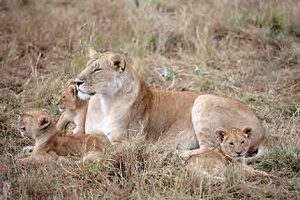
{"type": "Point", "coordinates": [248, 50]}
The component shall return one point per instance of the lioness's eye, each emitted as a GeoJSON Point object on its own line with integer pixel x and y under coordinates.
{"type": "Point", "coordinates": [231, 143]}
{"type": "Point", "coordinates": [242, 142]}
{"type": "Point", "coordinates": [97, 70]}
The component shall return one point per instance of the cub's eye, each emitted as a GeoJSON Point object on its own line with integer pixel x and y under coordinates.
{"type": "Point", "coordinates": [97, 70]}
{"type": "Point", "coordinates": [231, 143]}
{"type": "Point", "coordinates": [64, 97]}
{"type": "Point", "coordinates": [243, 141]}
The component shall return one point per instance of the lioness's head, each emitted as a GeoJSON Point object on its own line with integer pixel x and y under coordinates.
{"type": "Point", "coordinates": [105, 73]}
{"type": "Point", "coordinates": [68, 98]}
{"type": "Point", "coordinates": [33, 123]}
{"type": "Point", "coordinates": [234, 142]}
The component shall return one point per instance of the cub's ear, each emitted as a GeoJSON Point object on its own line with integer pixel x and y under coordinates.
{"type": "Point", "coordinates": [43, 121]}
{"type": "Point", "coordinates": [92, 53]}
{"type": "Point", "coordinates": [117, 62]}
{"type": "Point", "coordinates": [72, 90]}
{"type": "Point", "coordinates": [71, 82]}
{"type": "Point", "coordinates": [220, 133]}
{"type": "Point", "coordinates": [247, 131]}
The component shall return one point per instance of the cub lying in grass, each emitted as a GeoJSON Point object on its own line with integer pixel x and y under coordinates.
{"type": "Point", "coordinates": [233, 146]}
{"type": "Point", "coordinates": [73, 109]}
{"type": "Point", "coordinates": [50, 145]}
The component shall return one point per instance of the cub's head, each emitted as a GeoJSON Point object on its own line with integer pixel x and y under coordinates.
{"type": "Point", "coordinates": [34, 123]}
{"type": "Point", "coordinates": [106, 73]}
{"type": "Point", "coordinates": [68, 98]}
{"type": "Point", "coordinates": [234, 142]}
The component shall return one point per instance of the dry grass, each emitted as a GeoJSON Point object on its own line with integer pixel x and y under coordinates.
{"type": "Point", "coordinates": [249, 50]}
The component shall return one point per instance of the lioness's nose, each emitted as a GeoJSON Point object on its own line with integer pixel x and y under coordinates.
{"type": "Point", "coordinates": [78, 81]}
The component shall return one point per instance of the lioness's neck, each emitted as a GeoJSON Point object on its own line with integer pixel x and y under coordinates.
{"type": "Point", "coordinates": [127, 96]}
{"type": "Point", "coordinates": [143, 96]}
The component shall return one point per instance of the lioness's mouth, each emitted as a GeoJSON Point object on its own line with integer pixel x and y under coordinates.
{"type": "Point", "coordinates": [78, 90]}
{"type": "Point", "coordinates": [85, 95]}
{"type": "Point", "coordinates": [88, 93]}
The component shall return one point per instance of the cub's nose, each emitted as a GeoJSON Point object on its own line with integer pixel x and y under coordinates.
{"type": "Point", "coordinates": [239, 153]}
{"type": "Point", "coordinates": [78, 82]}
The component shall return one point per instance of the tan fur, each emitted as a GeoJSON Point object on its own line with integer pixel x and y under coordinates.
{"type": "Point", "coordinates": [210, 112]}
{"type": "Point", "coordinates": [49, 145]}
{"type": "Point", "coordinates": [213, 163]}
{"type": "Point", "coordinates": [120, 102]}
{"type": "Point", "coordinates": [73, 109]}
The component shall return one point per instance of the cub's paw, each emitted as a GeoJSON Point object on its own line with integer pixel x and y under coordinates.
{"type": "Point", "coordinates": [27, 149]}
{"type": "Point", "coordinates": [26, 152]}
{"type": "Point", "coordinates": [184, 154]}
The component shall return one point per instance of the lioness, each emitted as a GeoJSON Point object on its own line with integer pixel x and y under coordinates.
{"type": "Point", "coordinates": [121, 101]}
{"type": "Point", "coordinates": [49, 145]}
{"type": "Point", "coordinates": [73, 109]}
{"type": "Point", "coordinates": [233, 145]}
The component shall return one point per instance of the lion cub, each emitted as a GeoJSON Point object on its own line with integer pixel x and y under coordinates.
{"type": "Point", "coordinates": [73, 109]}
{"type": "Point", "coordinates": [233, 146]}
{"type": "Point", "coordinates": [50, 145]}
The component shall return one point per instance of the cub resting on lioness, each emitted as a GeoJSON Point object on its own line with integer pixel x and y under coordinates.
{"type": "Point", "coordinates": [49, 145]}
{"type": "Point", "coordinates": [121, 101]}
{"type": "Point", "coordinates": [73, 109]}
{"type": "Point", "coordinates": [210, 112]}
{"type": "Point", "coordinates": [233, 145]}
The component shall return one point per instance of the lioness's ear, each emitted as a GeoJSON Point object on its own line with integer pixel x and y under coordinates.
{"type": "Point", "coordinates": [248, 131]}
{"type": "Point", "coordinates": [43, 121]}
{"type": "Point", "coordinates": [92, 53]}
{"type": "Point", "coordinates": [220, 133]}
{"type": "Point", "coordinates": [117, 62]}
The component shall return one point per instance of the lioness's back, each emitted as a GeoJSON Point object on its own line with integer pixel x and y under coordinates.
{"type": "Point", "coordinates": [210, 112]}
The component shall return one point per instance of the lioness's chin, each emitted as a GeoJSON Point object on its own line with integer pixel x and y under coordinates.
{"type": "Point", "coordinates": [83, 96]}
